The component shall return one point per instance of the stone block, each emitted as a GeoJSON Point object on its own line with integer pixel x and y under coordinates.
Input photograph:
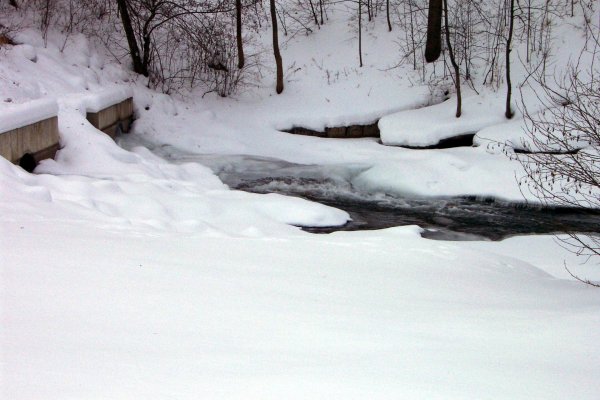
{"type": "Point", "coordinates": [336, 132]}
{"type": "Point", "coordinates": [354, 131]}
{"type": "Point", "coordinates": [371, 130]}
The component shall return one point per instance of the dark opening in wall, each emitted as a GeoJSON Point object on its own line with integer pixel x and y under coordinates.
{"type": "Point", "coordinates": [28, 162]}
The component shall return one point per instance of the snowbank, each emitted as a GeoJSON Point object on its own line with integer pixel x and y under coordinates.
{"type": "Point", "coordinates": [110, 313]}
{"type": "Point", "coordinates": [146, 191]}
{"type": "Point", "coordinates": [516, 135]}
{"type": "Point", "coordinates": [511, 133]}
{"type": "Point", "coordinates": [427, 126]}
{"type": "Point", "coordinates": [453, 172]}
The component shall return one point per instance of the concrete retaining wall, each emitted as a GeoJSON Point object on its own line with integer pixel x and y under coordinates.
{"type": "Point", "coordinates": [114, 119]}
{"type": "Point", "coordinates": [32, 128]}
{"type": "Point", "coordinates": [40, 139]}
{"type": "Point", "coordinates": [340, 132]}
{"type": "Point", "coordinates": [29, 128]}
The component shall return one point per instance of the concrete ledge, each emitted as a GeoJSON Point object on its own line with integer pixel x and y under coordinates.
{"type": "Point", "coordinates": [340, 132]}
{"type": "Point", "coordinates": [113, 119]}
{"type": "Point", "coordinates": [32, 128]}
{"type": "Point", "coordinates": [13, 116]}
{"type": "Point", "coordinates": [39, 139]}
{"type": "Point", "coordinates": [119, 127]}
{"type": "Point", "coordinates": [48, 152]}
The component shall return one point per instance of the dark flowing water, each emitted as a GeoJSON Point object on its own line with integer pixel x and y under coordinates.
{"type": "Point", "coordinates": [456, 218]}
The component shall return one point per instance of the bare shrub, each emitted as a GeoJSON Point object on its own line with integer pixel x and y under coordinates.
{"type": "Point", "coordinates": [564, 166]}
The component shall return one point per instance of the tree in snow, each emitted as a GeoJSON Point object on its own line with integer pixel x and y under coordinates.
{"type": "Point", "coordinates": [433, 48]}
{"type": "Point", "coordinates": [508, 113]}
{"type": "Point", "coordinates": [139, 66]}
{"type": "Point", "coordinates": [453, 62]}
{"type": "Point", "coordinates": [360, 59]}
{"type": "Point", "coordinates": [564, 166]}
{"type": "Point", "coordinates": [238, 33]}
{"type": "Point", "coordinates": [276, 53]}
{"type": "Point", "coordinates": [179, 44]}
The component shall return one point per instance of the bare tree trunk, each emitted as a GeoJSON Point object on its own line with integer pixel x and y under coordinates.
{"type": "Point", "coordinates": [453, 62]}
{"type": "Point", "coordinates": [146, 54]}
{"type": "Point", "coordinates": [314, 12]}
{"type": "Point", "coordinates": [412, 36]}
{"type": "Point", "coordinates": [238, 23]}
{"type": "Point", "coordinates": [508, 113]}
{"type": "Point", "coordinates": [360, 33]}
{"type": "Point", "coordinates": [543, 29]}
{"type": "Point", "coordinates": [45, 22]}
{"type": "Point", "coordinates": [572, 8]}
{"type": "Point", "coordinates": [147, 38]}
{"type": "Point", "coordinates": [528, 28]}
{"type": "Point", "coordinates": [433, 47]}
{"type": "Point", "coordinates": [276, 53]}
{"type": "Point", "coordinates": [467, 44]}
{"type": "Point", "coordinates": [321, 9]}
{"type": "Point", "coordinates": [387, 14]}
{"type": "Point", "coordinates": [134, 50]}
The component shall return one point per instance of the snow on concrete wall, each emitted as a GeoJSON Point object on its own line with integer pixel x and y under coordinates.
{"type": "Point", "coordinates": [97, 102]}
{"type": "Point", "coordinates": [13, 116]}
{"type": "Point", "coordinates": [110, 110]}
{"type": "Point", "coordinates": [30, 127]}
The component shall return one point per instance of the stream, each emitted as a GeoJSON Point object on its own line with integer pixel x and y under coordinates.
{"type": "Point", "coordinates": [451, 218]}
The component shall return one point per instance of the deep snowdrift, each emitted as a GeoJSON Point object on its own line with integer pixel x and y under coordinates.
{"type": "Point", "coordinates": [107, 312]}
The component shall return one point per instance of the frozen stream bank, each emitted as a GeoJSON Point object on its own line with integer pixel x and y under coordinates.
{"type": "Point", "coordinates": [453, 218]}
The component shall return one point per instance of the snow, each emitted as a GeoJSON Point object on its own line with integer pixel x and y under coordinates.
{"type": "Point", "coordinates": [514, 135]}
{"type": "Point", "coordinates": [453, 172]}
{"type": "Point", "coordinates": [100, 100]}
{"type": "Point", "coordinates": [13, 116]}
{"type": "Point", "coordinates": [427, 126]}
{"type": "Point", "coordinates": [510, 133]}
{"type": "Point", "coordinates": [352, 315]}
{"type": "Point", "coordinates": [99, 179]}
{"type": "Point", "coordinates": [128, 275]}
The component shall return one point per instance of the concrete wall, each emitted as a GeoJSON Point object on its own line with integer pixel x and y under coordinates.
{"type": "Point", "coordinates": [39, 139]}
{"type": "Point", "coordinates": [340, 132]}
{"type": "Point", "coordinates": [114, 118]}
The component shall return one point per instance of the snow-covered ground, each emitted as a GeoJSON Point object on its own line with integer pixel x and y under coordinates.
{"type": "Point", "coordinates": [109, 312]}
{"type": "Point", "coordinates": [126, 276]}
